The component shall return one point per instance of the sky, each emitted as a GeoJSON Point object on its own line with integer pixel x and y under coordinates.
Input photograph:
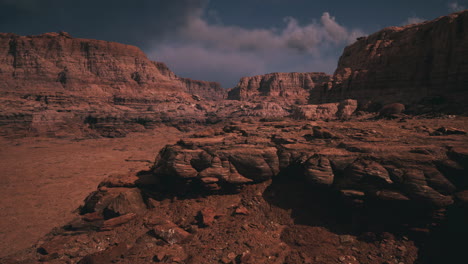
{"type": "Point", "coordinates": [224, 40]}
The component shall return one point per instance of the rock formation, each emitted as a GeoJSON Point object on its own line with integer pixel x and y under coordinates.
{"type": "Point", "coordinates": [416, 64]}
{"type": "Point", "coordinates": [50, 79]}
{"type": "Point", "coordinates": [208, 90]}
{"type": "Point", "coordinates": [291, 88]}
{"type": "Point", "coordinates": [342, 110]}
{"type": "Point", "coordinates": [245, 153]}
{"type": "Point", "coordinates": [56, 63]}
{"type": "Point", "coordinates": [279, 192]}
{"type": "Point", "coordinates": [266, 189]}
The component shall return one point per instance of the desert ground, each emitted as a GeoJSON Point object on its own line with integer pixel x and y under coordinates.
{"type": "Point", "coordinates": [108, 156]}
{"type": "Point", "coordinates": [44, 180]}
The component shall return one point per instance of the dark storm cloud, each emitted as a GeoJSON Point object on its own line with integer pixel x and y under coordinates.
{"type": "Point", "coordinates": [187, 35]}
{"type": "Point", "coordinates": [132, 22]}
{"type": "Point", "coordinates": [214, 51]}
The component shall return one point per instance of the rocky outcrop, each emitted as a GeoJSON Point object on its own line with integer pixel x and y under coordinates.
{"type": "Point", "coordinates": [280, 189]}
{"type": "Point", "coordinates": [416, 64]}
{"type": "Point", "coordinates": [343, 110]}
{"type": "Point", "coordinates": [292, 88]}
{"type": "Point", "coordinates": [208, 90]}
{"type": "Point", "coordinates": [58, 63]}
{"type": "Point", "coordinates": [50, 79]}
{"type": "Point", "coordinates": [375, 166]}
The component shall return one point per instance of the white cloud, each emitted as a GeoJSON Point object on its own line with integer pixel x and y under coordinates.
{"type": "Point", "coordinates": [455, 7]}
{"type": "Point", "coordinates": [413, 20]}
{"type": "Point", "coordinates": [294, 36]}
{"type": "Point", "coordinates": [225, 53]}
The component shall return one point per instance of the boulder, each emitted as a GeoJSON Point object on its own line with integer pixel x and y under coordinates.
{"type": "Point", "coordinates": [391, 109]}
{"type": "Point", "coordinates": [170, 232]}
{"type": "Point", "coordinates": [366, 173]}
{"type": "Point", "coordinates": [318, 171]}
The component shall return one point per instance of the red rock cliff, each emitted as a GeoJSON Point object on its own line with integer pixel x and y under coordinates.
{"type": "Point", "coordinates": [418, 63]}
{"type": "Point", "coordinates": [208, 90]}
{"type": "Point", "coordinates": [53, 82]}
{"type": "Point", "coordinates": [56, 62]}
{"type": "Point", "coordinates": [289, 87]}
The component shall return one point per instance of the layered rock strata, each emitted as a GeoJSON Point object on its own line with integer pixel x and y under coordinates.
{"type": "Point", "coordinates": [363, 192]}
{"type": "Point", "coordinates": [54, 77]}
{"type": "Point", "coordinates": [416, 64]}
{"type": "Point", "coordinates": [56, 63]}
{"type": "Point", "coordinates": [373, 164]}
{"type": "Point", "coordinates": [291, 88]}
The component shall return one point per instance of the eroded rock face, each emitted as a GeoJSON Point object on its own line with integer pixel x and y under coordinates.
{"type": "Point", "coordinates": [58, 63]}
{"type": "Point", "coordinates": [208, 90]}
{"type": "Point", "coordinates": [280, 189]}
{"type": "Point", "coordinates": [292, 88]}
{"type": "Point", "coordinates": [53, 83]}
{"type": "Point", "coordinates": [415, 64]}
{"type": "Point", "coordinates": [371, 164]}
{"type": "Point", "coordinates": [330, 111]}
{"type": "Point", "coordinates": [215, 165]}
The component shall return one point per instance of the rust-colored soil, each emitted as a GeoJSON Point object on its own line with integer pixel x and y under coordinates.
{"type": "Point", "coordinates": [43, 180]}
{"type": "Point", "coordinates": [279, 220]}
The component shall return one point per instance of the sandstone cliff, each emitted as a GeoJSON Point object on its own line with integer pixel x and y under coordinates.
{"type": "Point", "coordinates": [56, 62]}
{"type": "Point", "coordinates": [422, 63]}
{"type": "Point", "coordinates": [209, 90]}
{"type": "Point", "coordinates": [279, 87]}
{"type": "Point", "coordinates": [53, 82]}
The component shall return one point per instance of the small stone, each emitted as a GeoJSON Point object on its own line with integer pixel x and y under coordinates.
{"type": "Point", "coordinates": [231, 255]}
{"type": "Point", "coordinates": [225, 260]}
{"type": "Point", "coordinates": [241, 211]}
{"type": "Point", "coordinates": [92, 217]}
{"type": "Point", "coordinates": [207, 216]}
{"type": "Point", "coordinates": [245, 257]}
{"type": "Point", "coordinates": [347, 239]}
{"type": "Point", "coordinates": [171, 233]}
{"type": "Point", "coordinates": [114, 222]}
{"type": "Point", "coordinates": [193, 229]}
{"type": "Point", "coordinates": [348, 260]}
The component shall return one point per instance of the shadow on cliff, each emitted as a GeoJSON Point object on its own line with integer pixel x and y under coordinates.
{"type": "Point", "coordinates": [327, 207]}
{"type": "Point", "coordinates": [166, 187]}
{"type": "Point", "coordinates": [323, 207]}
{"type": "Point", "coordinates": [309, 206]}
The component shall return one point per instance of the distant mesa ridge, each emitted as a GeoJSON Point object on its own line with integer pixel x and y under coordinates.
{"type": "Point", "coordinates": [56, 62]}
{"type": "Point", "coordinates": [290, 87]}
{"type": "Point", "coordinates": [419, 63]}
{"type": "Point", "coordinates": [54, 84]}
{"type": "Point", "coordinates": [52, 80]}
{"type": "Point", "coordinates": [425, 63]}
{"type": "Point", "coordinates": [402, 64]}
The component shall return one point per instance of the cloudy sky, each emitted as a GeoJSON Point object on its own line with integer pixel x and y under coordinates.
{"type": "Point", "coordinates": [223, 40]}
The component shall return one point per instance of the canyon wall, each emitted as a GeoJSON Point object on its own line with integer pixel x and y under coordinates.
{"type": "Point", "coordinates": [424, 63]}
{"type": "Point", "coordinates": [279, 87]}
{"type": "Point", "coordinates": [56, 62]}
{"type": "Point", "coordinates": [54, 82]}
